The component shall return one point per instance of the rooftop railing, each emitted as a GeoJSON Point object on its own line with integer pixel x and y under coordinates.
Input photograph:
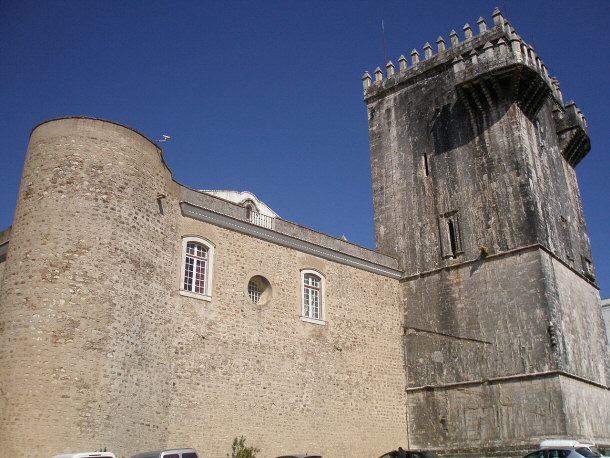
{"type": "Point", "coordinates": [260, 220]}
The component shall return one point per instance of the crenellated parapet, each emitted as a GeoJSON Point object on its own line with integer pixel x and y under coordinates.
{"type": "Point", "coordinates": [571, 127]}
{"type": "Point", "coordinates": [490, 67]}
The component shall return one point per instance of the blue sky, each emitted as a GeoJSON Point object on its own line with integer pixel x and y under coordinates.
{"type": "Point", "coordinates": [266, 96]}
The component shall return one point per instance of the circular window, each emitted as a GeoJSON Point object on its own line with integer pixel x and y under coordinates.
{"type": "Point", "coordinates": [259, 290]}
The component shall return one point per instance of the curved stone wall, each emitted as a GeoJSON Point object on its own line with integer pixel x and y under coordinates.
{"type": "Point", "coordinates": [85, 328]}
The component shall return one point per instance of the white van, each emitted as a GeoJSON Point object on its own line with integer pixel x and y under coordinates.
{"type": "Point", "coordinates": [176, 453]}
{"type": "Point", "coordinates": [87, 455]}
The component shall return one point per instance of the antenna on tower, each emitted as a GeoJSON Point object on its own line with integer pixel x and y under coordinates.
{"type": "Point", "coordinates": [385, 59]}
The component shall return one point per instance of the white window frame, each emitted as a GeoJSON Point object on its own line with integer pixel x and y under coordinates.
{"type": "Point", "coordinates": [322, 297]}
{"type": "Point", "coordinates": [207, 294]}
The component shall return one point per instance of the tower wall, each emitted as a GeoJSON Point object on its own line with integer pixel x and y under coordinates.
{"type": "Point", "coordinates": [483, 375]}
{"type": "Point", "coordinates": [474, 191]}
{"type": "Point", "coordinates": [85, 342]}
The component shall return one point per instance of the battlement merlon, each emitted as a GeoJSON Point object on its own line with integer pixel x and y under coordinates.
{"type": "Point", "coordinates": [492, 50]}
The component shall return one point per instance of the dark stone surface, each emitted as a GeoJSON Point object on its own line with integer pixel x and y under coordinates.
{"type": "Point", "coordinates": [472, 155]}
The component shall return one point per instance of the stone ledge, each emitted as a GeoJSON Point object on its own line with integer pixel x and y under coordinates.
{"type": "Point", "coordinates": [293, 236]}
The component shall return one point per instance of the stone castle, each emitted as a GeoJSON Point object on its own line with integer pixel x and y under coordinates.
{"type": "Point", "coordinates": [138, 313]}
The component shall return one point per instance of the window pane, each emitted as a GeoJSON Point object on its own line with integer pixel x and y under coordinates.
{"type": "Point", "coordinates": [188, 273]}
{"type": "Point", "coordinates": [190, 248]}
{"type": "Point", "coordinates": [315, 304]}
{"type": "Point", "coordinates": [254, 292]}
{"type": "Point", "coordinates": [312, 280]}
{"type": "Point", "coordinates": [194, 249]}
{"type": "Point", "coordinates": [200, 276]}
{"type": "Point", "coordinates": [311, 302]}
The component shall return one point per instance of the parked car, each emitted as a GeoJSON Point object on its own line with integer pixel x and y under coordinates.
{"type": "Point", "coordinates": [562, 452]}
{"type": "Point", "coordinates": [411, 454]}
{"type": "Point", "coordinates": [86, 455]}
{"type": "Point", "coordinates": [584, 448]}
{"type": "Point", "coordinates": [174, 453]}
{"type": "Point", "coordinates": [299, 456]}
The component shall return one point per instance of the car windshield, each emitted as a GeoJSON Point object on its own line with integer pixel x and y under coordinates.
{"type": "Point", "coordinates": [553, 453]}
{"type": "Point", "coordinates": [588, 452]}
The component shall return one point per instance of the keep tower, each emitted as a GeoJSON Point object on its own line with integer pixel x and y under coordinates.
{"type": "Point", "coordinates": [472, 157]}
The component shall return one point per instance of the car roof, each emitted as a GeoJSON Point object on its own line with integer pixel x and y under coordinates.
{"type": "Point", "coordinates": [553, 443]}
{"type": "Point", "coordinates": [427, 453]}
{"type": "Point", "coordinates": [158, 452]}
{"type": "Point", "coordinates": [85, 454]}
{"type": "Point", "coordinates": [299, 456]}
{"type": "Point", "coordinates": [546, 449]}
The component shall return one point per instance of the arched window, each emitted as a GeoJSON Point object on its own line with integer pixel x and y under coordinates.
{"type": "Point", "coordinates": [196, 277]}
{"type": "Point", "coordinates": [251, 209]}
{"type": "Point", "coordinates": [195, 268]}
{"type": "Point", "coordinates": [312, 294]}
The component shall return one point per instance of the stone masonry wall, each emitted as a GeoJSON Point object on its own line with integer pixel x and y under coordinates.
{"type": "Point", "coordinates": [560, 222]}
{"type": "Point", "coordinates": [488, 419]}
{"type": "Point", "coordinates": [4, 236]}
{"type": "Point", "coordinates": [576, 312]}
{"type": "Point", "coordinates": [288, 386]}
{"type": "Point", "coordinates": [478, 337]}
{"type": "Point", "coordinates": [474, 322]}
{"type": "Point", "coordinates": [99, 350]}
{"type": "Point", "coordinates": [578, 397]}
{"type": "Point", "coordinates": [474, 197]}
{"type": "Point", "coordinates": [84, 332]}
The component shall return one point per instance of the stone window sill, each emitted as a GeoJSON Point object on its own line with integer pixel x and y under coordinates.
{"type": "Point", "coordinates": [313, 321]}
{"type": "Point", "coordinates": [201, 297]}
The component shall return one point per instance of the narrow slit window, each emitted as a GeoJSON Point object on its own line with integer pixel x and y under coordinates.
{"type": "Point", "coordinates": [426, 169]}
{"type": "Point", "coordinates": [449, 231]}
{"type": "Point", "coordinates": [587, 267]}
{"type": "Point", "coordinates": [565, 238]}
{"type": "Point", "coordinates": [452, 238]}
